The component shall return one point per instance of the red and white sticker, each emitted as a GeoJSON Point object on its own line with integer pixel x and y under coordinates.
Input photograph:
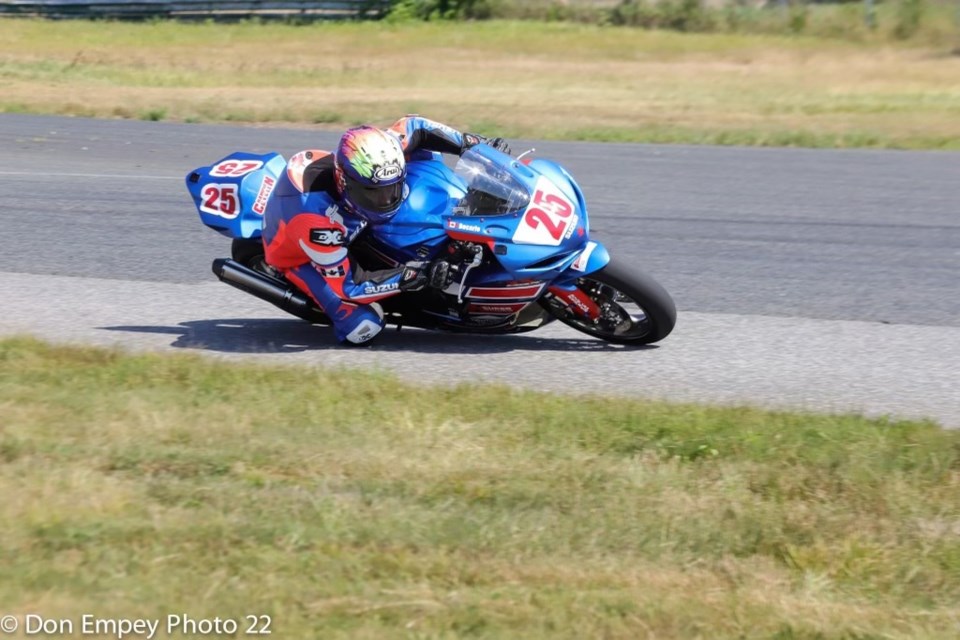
{"type": "Point", "coordinates": [548, 219]}
{"type": "Point", "coordinates": [234, 168]}
{"type": "Point", "coordinates": [220, 200]}
{"type": "Point", "coordinates": [578, 301]}
{"type": "Point", "coordinates": [514, 292]}
{"type": "Point", "coordinates": [580, 264]}
{"type": "Point", "coordinates": [266, 188]}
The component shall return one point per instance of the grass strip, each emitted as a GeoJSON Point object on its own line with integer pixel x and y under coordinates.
{"type": "Point", "coordinates": [518, 79]}
{"type": "Point", "coordinates": [349, 504]}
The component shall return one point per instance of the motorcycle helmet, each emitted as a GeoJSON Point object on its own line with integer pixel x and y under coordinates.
{"type": "Point", "coordinates": [370, 171]}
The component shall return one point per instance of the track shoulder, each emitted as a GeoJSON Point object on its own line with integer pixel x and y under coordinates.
{"type": "Point", "coordinates": [788, 363]}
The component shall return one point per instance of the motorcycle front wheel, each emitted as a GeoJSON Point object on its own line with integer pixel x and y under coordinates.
{"type": "Point", "coordinates": [635, 309]}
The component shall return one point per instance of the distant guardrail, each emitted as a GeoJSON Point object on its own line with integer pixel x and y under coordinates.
{"type": "Point", "coordinates": [197, 9]}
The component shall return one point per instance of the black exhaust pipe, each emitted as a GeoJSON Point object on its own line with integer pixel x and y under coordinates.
{"type": "Point", "coordinates": [272, 290]}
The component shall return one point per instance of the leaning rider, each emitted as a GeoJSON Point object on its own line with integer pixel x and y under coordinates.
{"type": "Point", "coordinates": [323, 201]}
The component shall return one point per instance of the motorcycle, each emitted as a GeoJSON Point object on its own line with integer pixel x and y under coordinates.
{"type": "Point", "coordinates": [514, 230]}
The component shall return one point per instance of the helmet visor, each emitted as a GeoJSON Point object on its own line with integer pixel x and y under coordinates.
{"type": "Point", "coordinates": [380, 199]}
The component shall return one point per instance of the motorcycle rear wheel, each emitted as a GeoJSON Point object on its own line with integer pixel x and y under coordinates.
{"type": "Point", "coordinates": [249, 253]}
{"type": "Point", "coordinates": [636, 309]}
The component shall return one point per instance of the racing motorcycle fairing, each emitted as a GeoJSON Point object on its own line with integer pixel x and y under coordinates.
{"type": "Point", "coordinates": [532, 216]}
{"type": "Point", "coordinates": [593, 257]}
{"type": "Point", "coordinates": [416, 231]}
{"type": "Point", "coordinates": [231, 194]}
{"type": "Point", "coordinates": [529, 216]}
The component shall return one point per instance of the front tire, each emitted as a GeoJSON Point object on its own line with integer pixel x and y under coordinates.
{"type": "Point", "coordinates": [636, 309]}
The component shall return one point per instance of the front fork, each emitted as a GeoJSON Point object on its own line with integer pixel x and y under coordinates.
{"type": "Point", "coordinates": [593, 257]}
{"type": "Point", "coordinates": [577, 302]}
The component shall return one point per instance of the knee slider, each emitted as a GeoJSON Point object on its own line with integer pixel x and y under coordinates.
{"type": "Point", "coordinates": [364, 332]}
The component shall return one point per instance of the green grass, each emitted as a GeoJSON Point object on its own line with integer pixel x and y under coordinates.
{"type": "Point", "coordinates": [519, 79]}
{"type": "Point", "coordinates": [347, 504]}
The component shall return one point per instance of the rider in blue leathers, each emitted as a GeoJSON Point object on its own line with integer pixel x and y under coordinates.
{"type": "Point", "coordinates": [324, 200]}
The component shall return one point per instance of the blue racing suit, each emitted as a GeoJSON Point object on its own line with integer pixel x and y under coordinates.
{"type": "Point", "coordinates": [308, 228]}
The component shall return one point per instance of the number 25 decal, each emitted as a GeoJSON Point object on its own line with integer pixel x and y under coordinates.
{"type": "Point", "coordinates": [552, 209]}
{"type": "Point", "coordinates": [234, 168]}
{"type": "Point", "coordinates": [220, 200]}
{"type": "Point", "coordinates": [548, 218]}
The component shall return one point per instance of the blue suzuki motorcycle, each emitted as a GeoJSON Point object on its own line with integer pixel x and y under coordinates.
{"type": "Point", "coordinates": [514, 230]}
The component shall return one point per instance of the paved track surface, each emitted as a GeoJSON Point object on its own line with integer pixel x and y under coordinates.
{"type": "Point", "coordinates": [825, 280]}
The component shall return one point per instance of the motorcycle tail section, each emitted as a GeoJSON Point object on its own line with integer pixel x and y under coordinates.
{"type": "Point", "coordinates": [231, 195]}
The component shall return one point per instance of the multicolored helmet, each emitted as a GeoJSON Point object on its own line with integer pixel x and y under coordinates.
{"type": "Point", "coordinates": [370, 172]}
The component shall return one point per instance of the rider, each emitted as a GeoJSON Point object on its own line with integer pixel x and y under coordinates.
{"type": "Point", "coordinates": [324, 200]}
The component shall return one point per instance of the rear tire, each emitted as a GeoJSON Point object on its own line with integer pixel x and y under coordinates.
{"type": "Point", "coordinates": [249, 252]}
{"type": "Point", "coordinates": [637, 310]}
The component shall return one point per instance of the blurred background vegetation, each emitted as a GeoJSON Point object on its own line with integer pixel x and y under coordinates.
{"type": "Point", "coordinates": [934, 21]}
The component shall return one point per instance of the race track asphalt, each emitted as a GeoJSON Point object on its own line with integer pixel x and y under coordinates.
{"type": "Point", "coordinates": [816, 279]}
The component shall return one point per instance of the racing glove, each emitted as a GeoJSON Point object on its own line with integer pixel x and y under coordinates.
{"type": "Point", "coordinates": [499, 144]}
{"type": "Point", "coordinates": [471, 139]}
{"type": "Point", "coordinates": [414, 277]}
{"type": "Point", "coordinates": [418, 275]}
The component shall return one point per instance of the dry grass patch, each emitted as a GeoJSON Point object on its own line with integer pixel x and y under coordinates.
{"type": "Point", "coordinates": [525, 79]}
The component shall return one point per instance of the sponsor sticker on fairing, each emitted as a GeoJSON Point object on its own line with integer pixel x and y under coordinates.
{"type": "Point", "coordinates": [220, 200]}
{"type": "Point", "coordinates": [234, 168]}
{"type": "Point", "coordinates": [580, 264]}
{"type": "Point", "coordinates": [549, 218]}
{"type": "Point", "coordinates": [266, 188]}
{"type": "Point", "coordinates": [509, 292]}
{"type": "Point", "coordinates": [507, 309]}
